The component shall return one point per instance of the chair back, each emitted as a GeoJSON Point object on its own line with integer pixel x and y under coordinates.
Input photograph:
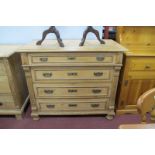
{"type": "Point", "coordinates": [146, 103]}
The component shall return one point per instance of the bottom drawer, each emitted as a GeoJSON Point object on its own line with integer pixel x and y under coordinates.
{"type": "Point", "coordinates": [72, 105]}
{"type": "Point", "coordinates": [6, 102]}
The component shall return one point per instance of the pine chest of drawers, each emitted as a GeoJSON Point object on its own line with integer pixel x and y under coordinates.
{"type": "Point", "coordinates": [13, 89]}
{"type": "Point", "coordinates": [72, 80]}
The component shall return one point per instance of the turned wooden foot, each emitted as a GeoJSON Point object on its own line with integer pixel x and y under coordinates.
{"type": "Point", "coordinates": [19, 117]}
{"type": "Point", "coordinates": [109, 117]}
{"type": "Point", "coordinates": [35, 118]}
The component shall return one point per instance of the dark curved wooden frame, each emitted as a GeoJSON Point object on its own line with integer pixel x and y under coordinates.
{"type": "Point", "coordinates": [92, 30]}
{"type": "Point", "coordinates": [51, 29]}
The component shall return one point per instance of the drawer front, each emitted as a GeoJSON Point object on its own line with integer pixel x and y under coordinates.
{"type": "Point", "coordinates": [72, 105]}
{"type": "Point", "coordinates": [4, 85]}
{"type": "Point", "coordinates": [39, 75]}
{"type": "Point", "coordinates": [143, 64]}
{"type": "Point", "coordinates": [72, 91]}
{"type": "Point", "coordinates": [6, 102]}
{"type": "Point", "coordinates": [141, 75]}
{"type": "Point", "coordinates": [2, 69]}
{"type": "Point", "coordinates": [70, 58]}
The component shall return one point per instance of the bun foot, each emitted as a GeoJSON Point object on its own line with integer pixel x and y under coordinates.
{"type": "Point", "coordinates": [110, 117]}
{"type": "Point", "coordinates": [35, 118]}
{"type": "Point", "coordinates": [19, 117]}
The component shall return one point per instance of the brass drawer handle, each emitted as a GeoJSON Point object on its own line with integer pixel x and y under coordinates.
{"type": "Point", "coordinates": [71, 58]}
{"type": "Point", "coordinates": [72, 105]}
{"type": "Point", "coordinates": [48, 91]}
{"type": "Point", "coordinates": [43, 59]}
{"type": "Point", "coordinates": [99, 58]}
{"type": "Point", "coordinates": [147, 67]}
{"type": "Point", "coordinates": [72, 74]}
{"type": "Point", "coordinates": [72, 90]}
{"type": "Point", "coordinates": [98, 73]}
{"type": "Point", "coordinates": [96, 91]}
{"type": "Point", "coordinates": [50, 106]}
{"type": "Point", "coordinates": [47, 74]}
{"type": "Point", "coordinates": [95, 105]}
{"type": "Point", "coordinates": [1, 104]}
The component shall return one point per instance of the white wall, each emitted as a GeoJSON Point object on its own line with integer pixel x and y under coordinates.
{"type": "Point", "coordinates": [26, 34]}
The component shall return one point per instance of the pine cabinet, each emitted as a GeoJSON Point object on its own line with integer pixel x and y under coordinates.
{"type": "Point", "coordinates": [138, 72]}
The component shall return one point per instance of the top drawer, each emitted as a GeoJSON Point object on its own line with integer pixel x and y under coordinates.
{"type": "Point", "coordinates": [71, 59]}
{"type": "Point", "coordinates": [142, 64]}
{"type": "Point", "coordinates": [2, 68]}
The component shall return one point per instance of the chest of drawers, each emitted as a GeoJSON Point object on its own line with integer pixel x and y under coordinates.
{"type": "Point", "coordinates": [13, 89]}
{"type": "Point", "coordinates": [72, 80]}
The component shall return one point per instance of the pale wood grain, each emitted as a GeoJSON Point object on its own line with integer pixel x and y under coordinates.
{"type": "Point", "coordinates": [73, 45]}
{"type": "Point", "coordinates": [137, 126]}
{"type": "Point", "coordinates": [138, 73]}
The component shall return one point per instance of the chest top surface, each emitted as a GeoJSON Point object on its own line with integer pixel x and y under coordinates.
{"type": "Point", "coordinates": [73, 45]}
{"type": "Point", "coordinates": [7, 50]}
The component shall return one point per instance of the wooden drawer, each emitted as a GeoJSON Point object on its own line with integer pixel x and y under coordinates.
{"type": "Point", "coordinates": [6, 102]}
{"type": "Point", "coordinates": [2, 68]}
{"type": "Point", "coordinates": [4, 85]}
{"type": "Point", "coordinates": [72, 74]}
{"type": "Point", "coordinates": [72, 104]}
{"type": "Point", "coordinates": [141, 75]}
{"type": "Point", "coordinates": [72, 90]}
{"type": "Point", "coordinates": [142, 64]}
{"type": "Point", "coordinates": [73, 58]}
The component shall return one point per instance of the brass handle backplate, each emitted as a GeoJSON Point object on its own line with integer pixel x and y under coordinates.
{"type": "Point", "coordinates": [95, 105]}
{"type": "Point", "coordinates": [99, 58]}
{"type": "Point", "coordinates": [72, 105]}
{"type": "Point", "coordinates": [50, 106]}
{"type": "Point", "coordinates": [71, 58]}
{"type": "Point", "coordinates": [72, 74]}
{"type": "Point", "coordinates": [98, 73]}
{"type": "Point", "coordinates": [96, 91]}
{"type": "Point", "coordinates": [72, 90]}
{"type": "Point", "coordinates": [47, 74]}
{"type": "Point", "coordinates": [43, 59]}
{"type": "Point", "coordinates": [48, 91]}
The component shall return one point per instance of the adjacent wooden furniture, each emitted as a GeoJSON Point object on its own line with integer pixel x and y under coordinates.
{"type": "Point", "coordinates": [137, 126]}
{"type": "Point", "coordinates": [72, 80]}
{"type": "Point", "coordinates": [13, 89]}
{"type": "Point", "coordinates": [138, 74]}
{"type": "Point", "coordinates": [145, 104]}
